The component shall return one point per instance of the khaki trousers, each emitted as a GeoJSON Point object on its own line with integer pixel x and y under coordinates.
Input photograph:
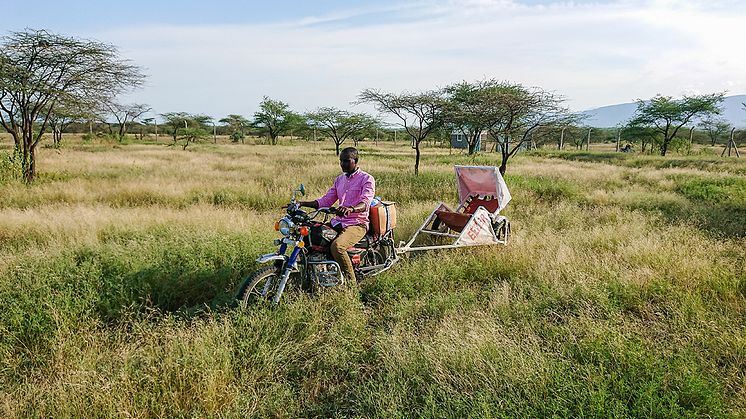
{"type": "Point", "coordinates": [346, 239]}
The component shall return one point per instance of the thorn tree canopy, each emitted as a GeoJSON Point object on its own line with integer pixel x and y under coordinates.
{"type": "Point", "coordinates": [419, 113]}
{"type": "Point", "coordinates": [515, 111]}
{"type": "Point", "coordinates": [237, 124]}
{"type": "Point", "coordinates": [125, 114]}
{"type": "Point", "coordinates": [40, 71]}
{"type": "Point", "coordinates": [469, 110]}
{"type": "Point", "coordinates": [340, 125]}
{"type": "Point", "coordinates": [666, 115]}
{"type": "Point", "coordinates": [715, 128]}
{"type": "Point", "coordinates": [273, 118]}
{"type": "Point", "coordinates": [175, 122]}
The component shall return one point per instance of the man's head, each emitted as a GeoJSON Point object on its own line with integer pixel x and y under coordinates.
{"type": "Point", "coordinates": [348, 160]}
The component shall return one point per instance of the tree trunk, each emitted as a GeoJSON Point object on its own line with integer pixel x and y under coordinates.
{"type": "Point", "coordinates": [664, 147]}
{"type": "Point", "coordinates": [29, 164]}
{"type": "Point", "coordinates": [17, 141]}
{"type": "Point", "coordinates": [417, 158]}
{"type": "Point", "coordinates": [472, 147]}
{"type": "Point", "coordinates": [505, 155]}
{"type": "Point", "coordinates": [336, 145]}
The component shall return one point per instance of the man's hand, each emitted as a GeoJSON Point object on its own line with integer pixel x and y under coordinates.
{"type": "Point", "coordinates": [345, 211]}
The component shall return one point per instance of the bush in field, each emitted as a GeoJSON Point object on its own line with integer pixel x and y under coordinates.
{"type": "Point", "coordinates": [10, 166]}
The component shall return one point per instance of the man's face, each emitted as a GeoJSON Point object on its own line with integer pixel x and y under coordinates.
{"type": "Point", "coordinates": [347, 163]}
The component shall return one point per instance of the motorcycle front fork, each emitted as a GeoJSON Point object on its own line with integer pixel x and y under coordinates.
{"type": "Point", "coordinates": [285, 276]}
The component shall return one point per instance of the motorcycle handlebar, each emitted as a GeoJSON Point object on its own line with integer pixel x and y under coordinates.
{"type": "Point", "coordinates": [330, 210]}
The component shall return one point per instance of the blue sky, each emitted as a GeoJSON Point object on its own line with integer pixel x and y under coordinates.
{"type": "Point", "coordinates": [221, 57]}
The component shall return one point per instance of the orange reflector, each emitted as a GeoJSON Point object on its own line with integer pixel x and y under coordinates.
{"type": "Point", "coordinates": [303, 231]}
{"type": "Point", "coordinates": [301, 244]}
{"type": "Point", "coordinates": [277, 226]}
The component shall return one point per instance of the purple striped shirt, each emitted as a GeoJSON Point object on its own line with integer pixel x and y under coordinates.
{"type": "Point", "coordinates": [350, 191]}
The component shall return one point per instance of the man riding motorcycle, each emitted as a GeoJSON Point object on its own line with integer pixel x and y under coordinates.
{"type": "Point", "coordinates": [354, 189]}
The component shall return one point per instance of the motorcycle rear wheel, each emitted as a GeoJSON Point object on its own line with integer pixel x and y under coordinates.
{"type": "Point", "coordinates": [250, 291]}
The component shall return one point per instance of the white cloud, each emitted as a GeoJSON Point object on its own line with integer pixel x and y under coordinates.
{"type": "Point", "coordinates": [594, 53]}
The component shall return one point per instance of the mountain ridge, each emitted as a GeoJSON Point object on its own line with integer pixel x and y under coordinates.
{"type": "Point", "coordinates": [615, 115]}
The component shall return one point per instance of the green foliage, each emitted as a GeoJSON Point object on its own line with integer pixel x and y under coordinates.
{"type": "Point", "coordinates": [191, 135]}
{"type": "Point", "coordinates": [10, 167]}
{"type": "Point", "coordinates": [274, 118]}
{"type": "Point", "coordinates": [340, 125]}
{"type": "Point", "coordinates": [546, 189]}
{"type": "Point", "coordinates": [238, 126]}
{"type": "Point", "coordinates": [729, 190]}
{"type": "Point", "coordinates": [665, 116]}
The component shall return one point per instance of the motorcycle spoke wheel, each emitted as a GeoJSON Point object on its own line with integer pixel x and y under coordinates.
{"type": "Point", "coordinates": [251, 289]}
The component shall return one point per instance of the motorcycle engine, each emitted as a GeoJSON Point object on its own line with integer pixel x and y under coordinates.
{"type": "Point", "coordinates": [326, 273]}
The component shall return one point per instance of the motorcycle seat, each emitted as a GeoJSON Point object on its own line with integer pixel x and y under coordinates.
{"type": "Point", "coordinates": [364, 243]}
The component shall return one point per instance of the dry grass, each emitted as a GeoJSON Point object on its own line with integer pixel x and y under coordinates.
{"type": "Point", "coordinates": [621, 293]}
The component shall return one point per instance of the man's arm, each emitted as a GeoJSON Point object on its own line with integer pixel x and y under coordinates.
{"type": "Point", "coordinates": [329, 198]}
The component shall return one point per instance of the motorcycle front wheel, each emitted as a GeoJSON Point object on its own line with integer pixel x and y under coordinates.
{"type": "Point", "coordinates": [259, 286]}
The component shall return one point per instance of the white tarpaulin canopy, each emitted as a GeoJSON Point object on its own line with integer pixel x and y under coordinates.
{"type": "Point", "coordinates": [482, 180]}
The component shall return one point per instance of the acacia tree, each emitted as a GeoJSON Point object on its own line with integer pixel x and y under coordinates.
{"type": "Point", "coordinates": [469, 110]}
{"type": "Point", "coordinates": [273, 118]}
{"type": "Point", "coordinates": [645, 135]}
{"type": "Point", "coordinates": [173, 121]}
{"type": "Point", "coordinates": [183, 125]}
{"type": "Point", "coordinates": [237, 125]}
{"type": "Point", "coordinates": [371, 130]}
{"type": "Point", "coordinates": [146, 123]}
{"type": "Point", "coordinates": [517, 111]}
{"type": "Point", "coordinates": [192, 135]}
{"type": "Point", "coordinates": [420, 113]}
{"type": "Point", "coordinates": [715, 128]}
{"type": "Point", "coordinates": [125, 114]}
{"type": "Point", "coordinates": [61, 117]}
{"type": "Point", "coordinates": [666, 115]}
{"type": "Point", "coordinates": [41, 71]}
{"type": "Point", "coordinates": [340, 125]}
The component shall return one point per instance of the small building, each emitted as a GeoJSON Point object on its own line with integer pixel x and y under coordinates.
{"type": "Point", "coordinates": [459, 140]}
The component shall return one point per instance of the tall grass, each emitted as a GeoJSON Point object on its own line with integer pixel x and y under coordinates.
{"type": "Point", "coordinates": [621, 293]}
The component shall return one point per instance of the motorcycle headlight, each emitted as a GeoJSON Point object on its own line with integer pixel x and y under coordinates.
{"type": "Point", "coordinates": [286, 226]}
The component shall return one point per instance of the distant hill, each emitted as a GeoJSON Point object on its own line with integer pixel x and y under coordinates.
{"type": "Point", "coordinates": [613, 115]}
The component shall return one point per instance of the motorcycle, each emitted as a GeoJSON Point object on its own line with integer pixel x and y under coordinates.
{"type": "Point", "coordinates": [310, 266]}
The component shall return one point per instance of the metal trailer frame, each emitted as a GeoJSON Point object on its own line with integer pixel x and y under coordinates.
{"type": "Point", "coordinates": [483, 228]}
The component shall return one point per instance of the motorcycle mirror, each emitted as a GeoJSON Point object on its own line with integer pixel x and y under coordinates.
{"type": "Point", "coordinates": [302, 189]}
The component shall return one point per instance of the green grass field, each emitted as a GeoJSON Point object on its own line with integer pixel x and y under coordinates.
{"type": "Point", "coordinates": [621, 293]}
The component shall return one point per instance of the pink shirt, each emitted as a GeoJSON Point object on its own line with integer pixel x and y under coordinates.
{"type": "Point", "coordinates": [350, 191]}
